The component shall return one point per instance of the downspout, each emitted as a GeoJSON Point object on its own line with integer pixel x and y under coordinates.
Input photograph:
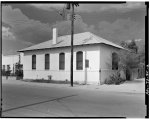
{"type": "Point", "coordinates": [100, 66]}
{"type": "Point", "coordinates": [85, 70]}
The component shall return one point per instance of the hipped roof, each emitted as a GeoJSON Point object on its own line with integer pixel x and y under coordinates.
{"type": "Point", "coordinates": [85, 38]}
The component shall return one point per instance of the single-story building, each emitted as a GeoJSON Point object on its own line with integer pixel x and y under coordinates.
{"type": "Point", "coordinates": [93, 58]}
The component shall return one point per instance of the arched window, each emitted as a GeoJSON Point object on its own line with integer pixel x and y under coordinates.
{"type": "Point", "coordinates": [46, 61]}
{"type": "Point", "coordinates": [62, 61]}
{"type": "Point", "coordinates": [33, 61]}
{"type": "Point", "coordinates": [79, 60]}
{"type": "Point", "coordinates": [115, 60]}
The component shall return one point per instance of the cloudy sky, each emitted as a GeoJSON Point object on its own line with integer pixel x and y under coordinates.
{"type": "Point", "coordinates": [24, 25]}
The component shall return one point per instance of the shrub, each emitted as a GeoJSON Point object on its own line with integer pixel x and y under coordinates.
{"type": "Point", "coordinates": [114, 79]}
{"type": "Point", "coordinates": [3, 72]}
{"type": "Point", "coordinates": [19, 71]}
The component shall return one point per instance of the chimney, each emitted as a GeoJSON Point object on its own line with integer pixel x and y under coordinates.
{"type": "Point", "coordinates": [54, 35]}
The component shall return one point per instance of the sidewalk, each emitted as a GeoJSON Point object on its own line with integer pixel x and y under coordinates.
{"type": "Point", "coordinates": [135, 86]}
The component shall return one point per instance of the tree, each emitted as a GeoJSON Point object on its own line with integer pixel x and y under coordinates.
{"type": "Point", "coordinates": [8, 70]}
{"type": "Point", "coordinates": [132, 45]}
{"type": "Point", "coordinates": [19, 71]}
{"type": "Point", "coordinates": [123, 44]}
{"type": "Point", "coordinates": [128, 60]}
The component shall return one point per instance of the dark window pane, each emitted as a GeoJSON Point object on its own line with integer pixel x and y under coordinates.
{"type": "Point", "coordinates": [33, 61]}
{"type": "Point", "coordinates": [79, 60]}
{"type": "Point", "coordinates": [115, 60]}
{"type": "Point", "coordinates": [47, 61]}
{"type": "Point", "coordinates": [61, 61]}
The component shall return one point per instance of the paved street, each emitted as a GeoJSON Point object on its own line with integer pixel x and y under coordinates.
{"type": "Point", "coordinates": [26, 99]}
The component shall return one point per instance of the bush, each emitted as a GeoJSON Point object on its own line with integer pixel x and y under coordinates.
{"type": "Point", "coordinates": [19, 71]}
{"type": "Point", "coordinates": [114, 79]}
{"type": "Point", "coordinates": [6, 73]}
{"type": "Point", "coordinates": [3, 73]}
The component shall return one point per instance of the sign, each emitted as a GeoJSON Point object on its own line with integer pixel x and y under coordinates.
{"type": "Point", "coordinates": [86, 63]}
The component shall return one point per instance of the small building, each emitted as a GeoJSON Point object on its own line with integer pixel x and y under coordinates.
{"type": "Point", "coordinates": [93, 58]}
{"type": "Point", "coordinates": [9, 62]}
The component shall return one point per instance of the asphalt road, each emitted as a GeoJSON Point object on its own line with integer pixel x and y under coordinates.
{"type": "Point", "coordinates": [24, 99]}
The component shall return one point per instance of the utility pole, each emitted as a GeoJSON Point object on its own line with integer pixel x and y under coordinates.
{"type": "Point", "coordinates": [72, 33]}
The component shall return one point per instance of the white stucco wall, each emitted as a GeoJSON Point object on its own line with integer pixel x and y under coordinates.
{"type": "Point", "coordinates": [92, 53]}
{"type": "Point", "coordinates": [106, 61]}
{"type": "Point", "coordinates": [100, 64]}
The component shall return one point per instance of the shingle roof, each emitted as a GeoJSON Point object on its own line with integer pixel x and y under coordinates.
{"type": "Point", "coordinates": [79, 39]}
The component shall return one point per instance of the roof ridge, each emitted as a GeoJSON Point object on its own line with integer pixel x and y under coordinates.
{"type": "Point", "coordinates": [65, 36]}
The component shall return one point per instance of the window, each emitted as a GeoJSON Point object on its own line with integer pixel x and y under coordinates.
{"type": "Point", "coordinates": [61, 61]}
{"type": "Point", "coordinates": [46, 61]}
{"type": "Point", "coordinates": [33, 61]}
{"type": "Point", "coordinates": [79, 60]}
{"type": "Point", "coordinates": [115, 60]}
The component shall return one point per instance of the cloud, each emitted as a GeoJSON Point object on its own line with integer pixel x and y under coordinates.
{"type": "Point", "coordinates": [49, 7]}
{"type": "Point", "coordinates": [6, 34]}
{"type": "Point", "coordinates": [23, 28]}
{"type": "Point", "coordinates": [22, 31]}
{"type": "Point", "coordinates": [92, 7]}
{"type": "Point", "coordinates": [64, 27]}
{"type": "Point", "coordinates": [121, 29]}
{"type": "Point", "coordinates": [137, 40]}
{"type": "Point", "coordinates": [10, 44]}
{"type": "Point", "coordinates": [34, 31]}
